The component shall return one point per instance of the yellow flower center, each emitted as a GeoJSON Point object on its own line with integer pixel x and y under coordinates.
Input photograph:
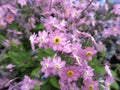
{"type": "Point", "coordinates": [91, 87]}
{"type": "Point", "coordinates": [57, 40]}
{"type": "Point", "coordinates": [70, 73]}
{"type": "Point", "coordinates": [89, 53]}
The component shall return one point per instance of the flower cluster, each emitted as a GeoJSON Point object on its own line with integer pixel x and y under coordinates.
{"type": "Point", "coordinates": [70, 43]}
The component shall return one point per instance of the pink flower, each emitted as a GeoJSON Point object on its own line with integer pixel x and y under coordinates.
{"type": "Point", "coordinates": [117, 9]}
{"type": "Point", "coordinates": [57, 40]}
{"type": "Point", "coordinates": [88, 73]}
{"type": "Point", "coordinates": [50, 23]}
{"type": "Point", "coordinates": [22, 2]}
{"type": "Point", "coordinates": [69, 74]}
{"type": "Point", "coordinates": [68, 85]}
{"type": "Point", "coordinates": [28, 84]}
{"type": "Point", "coordinates": [89, 53]}
{"type": "Point", "coordinates": [115, 31]}
{"type": "Point", "coordinates": [106, 33]}
{"type": "Point", "coordinates": [57, 65]}
{"type": "Point", "coordinates": [89, 84]}
{"type": "Point", "coordinates": [42, 39]}
{"type": "Point", "coordinates": [108, 82]}
{"type": "Point", "coordinates": [9, 18]}
{"type": "Point", "coordinates": [46, 66]}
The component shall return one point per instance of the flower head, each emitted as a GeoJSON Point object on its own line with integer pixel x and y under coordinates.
{"type": "Point", "coordinates": [69, 74]}
{"type": "Point", "coordinates": [57, 40]}
{"type": "Point", "coordinates": [89, 53]}
{"type": "Point", "coordinates": [117, 9]}
{"type": "Point", "coordinates": [42, 39]}
{"type": "Point", "coordinates": [46, 66]}
{"type": "Point", "coordinates": [57, 65]}
{"type": "Point", "coordinates": [28, 84]}
{"type": "Point", "coordinates": [89, 84]}
{"type": "Point", "coordinates": [9, 18]}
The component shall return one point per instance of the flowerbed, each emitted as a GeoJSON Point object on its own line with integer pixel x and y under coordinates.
{"type": "Point", "coordinates": [59, 44]}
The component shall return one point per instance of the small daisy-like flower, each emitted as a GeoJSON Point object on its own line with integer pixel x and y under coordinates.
{"type": "Point", "coordinates": [89, 84]}
{"type": "Point", "coordinates": [57, 65]}
{"type": "Point", "coordinates": [106, 33]}
{"type": "Point", "coordinates": [42, 39]}
{"type": "Point", "coordinates": [57, 40]}
{"type": "Point", "coordinates": [46, 66]}
{"type": "Point", "coordinates": [70, 73]}
{"type": "Point", "coordinates": [88, 73]}
{"type": "Point", "coordinates": [68, 85]}
{"type": "Point", "coordinates": [9, 18]}
{"type": "Point", "coordinates": [117, 9]}
{"type": "Point", "coordinates": [28, 84]}
{"type": "Point", "coordinates": [89, 53]}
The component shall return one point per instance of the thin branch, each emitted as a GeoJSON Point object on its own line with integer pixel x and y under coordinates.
{"type": "Point", "coordinates": [87, 6]}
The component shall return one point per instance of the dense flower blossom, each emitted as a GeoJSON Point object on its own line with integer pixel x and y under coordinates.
{"type": "Point", "coordinates": [9, 18]}
{"type": "Point", "coordinates": [75, 30]}
{"type": "Point", "coordinates": [42, 39]}
{"type": "Point", "coordinates": [89, 53]}
{"type": "Point", "coordinates": [68, 86]}
{"type": "Point", "coordinates": [88, 73]}
{"type": "Point", "coordinates": [70, 73]}
{"type": "Point", "coordinates": [106, 33]}
{"type": "Point", "coordinates": [116, 9]}
{"type": "Point", "coordinates": [57, 40]}
{"type": "Point", "coordinates": [46, 66]}
{"type": "Point", "coordinates": [57, 65]}
{"type": "Point", "coordinates": [89, 84]}
{"type": "Point", "coordinates": [28, 84]}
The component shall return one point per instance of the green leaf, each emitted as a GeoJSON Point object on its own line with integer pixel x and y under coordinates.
{"type": "Point", "coordinates": [20, 58]}
{"type": "Point", "coordinates": [35, 71]}
{"type": "Point", "coordinates": [45, 53]}
{"type": "Point", "coordinates": [39, 27]}
{"type": "Point", "coordinates": [37, 87]}
{"type": "Point", "coordinates": [115, 86]}
{"type": "Point", "coordinates": [101, 86]}
{"type": "Point", "coordinates": [115, 75]}
{"type": "Point", "coordinates": [99, 70]}
{"type": "Point", "coordinates": [54, 82]}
